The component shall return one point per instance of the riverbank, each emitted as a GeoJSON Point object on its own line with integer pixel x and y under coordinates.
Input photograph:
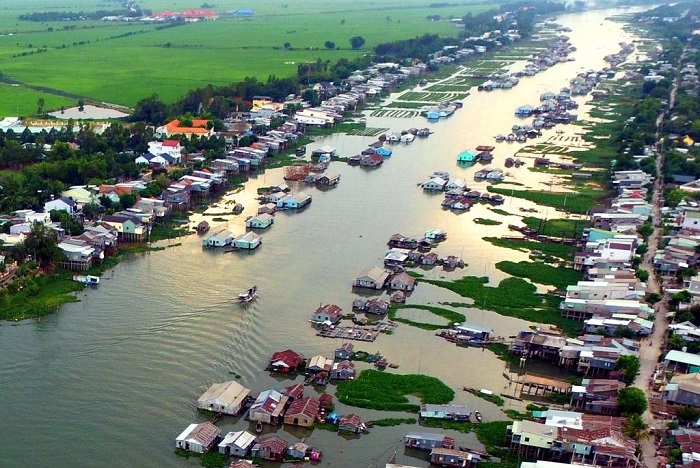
{"type": "Point", "coordinates": [168, 325]}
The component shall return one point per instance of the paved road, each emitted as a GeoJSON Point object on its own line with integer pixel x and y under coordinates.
{"type": "Point", "coordinates": [654, 345]}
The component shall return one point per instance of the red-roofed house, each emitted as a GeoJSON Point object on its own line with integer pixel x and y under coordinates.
{"type": "Point", "coordinates": [170, 147]}
{"type": "Point", "coordinates": [198, 128]}
{"type": "Point", "coordinates": [270, 447]}
{"type": "Point", "coordinates": [285, 361]}
{"type": "Point", "coordinates": [351, 423]}
{"type": "Point", "coordinates": [302, 412]}
{"type": "Point", "coordinates": [329, 314]}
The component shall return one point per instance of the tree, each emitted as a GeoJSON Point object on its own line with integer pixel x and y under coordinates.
{"type": "Point", "coordinates": [127, 200]}
{"type": "Point", "coordinates": [91, 210]}
{"type": "Point", "coordinates": [636, 427]}
{"type": "Point", "coordinates": [41, 244]}
{"type": "Point", "coordinates": [676, 342]}
{"type": "Point", "coordinates": [330, 45]}
{"type": "Point", "coordinates": [40, 105]}
{"type": "Point", "coordinates": [81, 105]}
{"type": "Point", "coordinates": [629, 365]}
{"type": "Point", "coordinates": [687, 414]}
{"type": "Point", "coordinates": [631, 400]}
{"type": "Point", "coordinates": [356, 42]}
{"type": "Point", "coordinates": [642, 275]}
{"type": "Point", "coordinates": [287, 45]}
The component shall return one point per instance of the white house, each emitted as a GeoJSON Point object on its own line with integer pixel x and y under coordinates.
{"type": "Point", "coordinates": [435, 183]}
{"type": "Point", "coordinates": [220, 238]}
{"type": "Point", "coordinates": [170, 147]}
{"type": "Point", "coordinates": [163, 159]}
{"type": "Point", "coordinates": [61, 204]}
{"type": "Point", "coordinates": [297, 201]}
{"type": "Point", "coordinates": [260, 221]}
{"type": "Point", "coordinates": [457, 184]}
{"type": "Point", "coordinates": [198, 438]}
{"type": "Point", "coordinates": [227, 397]}
{"type": "Point", "coordinates": [247, 241]}
{"type": "Point", "coordinates": [237, 443]}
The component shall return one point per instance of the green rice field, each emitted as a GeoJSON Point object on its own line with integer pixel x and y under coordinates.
{"type": "Point", "coordinates": [120, 63]}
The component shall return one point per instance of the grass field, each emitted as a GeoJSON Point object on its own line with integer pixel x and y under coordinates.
{"type": "Point", "coordinates": [122, 63]}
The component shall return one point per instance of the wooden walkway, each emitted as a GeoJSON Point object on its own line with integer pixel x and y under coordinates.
{"type": "Point", "coordinates": [357, 333]}
{"type": "Point", "coordinates": [534, 384]}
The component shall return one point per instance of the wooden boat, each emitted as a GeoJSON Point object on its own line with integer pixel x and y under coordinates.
{"type": "Point", "coordinates": [477, 416]}
{"type": "Point", "coordinates": [300, 151]}
{"type": "Point", "coordinates": [258, 427]}
{"type": "Point", "coordinates": [248, 295]}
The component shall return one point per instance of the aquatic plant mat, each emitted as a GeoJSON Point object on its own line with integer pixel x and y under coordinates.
{"type": "Point", "coordinates": [385, 391]}
{"type": "Point", "coordinates": [512, 297]}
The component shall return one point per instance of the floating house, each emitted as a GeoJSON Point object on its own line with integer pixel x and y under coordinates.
{"type": "Point", "coordinates": [285, 361]}
{"type": "Point", "coordinates": [351, 423]}
{"type": "Point", "coordinates": [268, 407]}
{"type": "Point", "coordinates": [327, 151]}
{"type": "Point", "coordinates": [220, 238]}
{"type": "Point", "coordinates": [473, 331]}
{"type": "Point", "coordinates": [434, 184]}
{"type": "Point", "coordinates": [453, 458]}
{"type": "Point", "coordinates": [247, 241]}
{"type": "Point", "coordinates": [383, 151]}
{"type": "Point", "coordinates": [372, 278]}
{"type": "Point", "coordinates": [270, 447]}
{"type": "Point", "coordinates": [449, 412]}
{"type": "Point", "coordinates": [302, 412]}
{"type": "Point", "coordinates": [345, 351]}
{"type": "Point", "coordinates": [436, 235]}
{"type": "Point", "coordinates": [227, 398]}
{"type": "Point", "coordinates": [428, 441]}
{"type": "Point", "coordinates": [468, 156]}
{"type": "Point", "coordinates": [402, 282]}
{"type": "Point", "coordinates": [198, 438]}
{"type": "Point", "coordinates": [328, 314]}
{"type": "Point", "coordinates": [261, 221]}
{"type": "Point", "coordinates": [294, 202]}
{"type": "Point", "coordinates": [237, 443]}
{"type": "Point", "coordinates": [343, 370]}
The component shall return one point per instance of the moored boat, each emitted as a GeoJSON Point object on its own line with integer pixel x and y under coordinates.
{"type": "Point", "coordinates": [300, 151]}
{"type": "Point", "coordinates": [258, 427]}
{"type": "Point", "coordinates": [248, 295]}
{"type": "Point", "coordinates": [477, 416]}
{"type": "Point", "coordinates": [90, 280]}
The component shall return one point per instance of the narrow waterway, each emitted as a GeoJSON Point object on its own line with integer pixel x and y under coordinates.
{"type": "Point", "coordinates": [111, 380]}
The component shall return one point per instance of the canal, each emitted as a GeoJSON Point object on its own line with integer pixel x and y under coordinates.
{"type": "Point", "coordinates": [113, 379]}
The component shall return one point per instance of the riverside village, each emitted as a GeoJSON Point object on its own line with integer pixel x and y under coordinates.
{"type": "Point", "coordinates": [383, 277]}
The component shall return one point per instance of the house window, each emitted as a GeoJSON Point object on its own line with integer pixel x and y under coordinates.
{"type": "Point", "coordinates": [527, 439]}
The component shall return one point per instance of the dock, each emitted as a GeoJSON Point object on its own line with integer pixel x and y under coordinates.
{"type": "Point", "coordinates": [532, 384]}
{"type": "Point", "coordinates": [357, 333]}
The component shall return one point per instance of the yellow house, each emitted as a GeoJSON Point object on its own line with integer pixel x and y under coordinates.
{"type": "Point", "coordinates": [688, 141]}
{"type": "Point", "coordinates": [532, 434]}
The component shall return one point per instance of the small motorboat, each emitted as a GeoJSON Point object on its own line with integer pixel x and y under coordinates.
{"type": "Point", "coordinates": [248, 295]}
{"type": "Point", "coordinates": [258, 427]}
{"type": "Point", "coordinates": [477, 416]}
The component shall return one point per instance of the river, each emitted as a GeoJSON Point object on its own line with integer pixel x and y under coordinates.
{"type": "Point", "coordinates": [113, 379]}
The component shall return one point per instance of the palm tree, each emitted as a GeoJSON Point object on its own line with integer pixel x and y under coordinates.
{"type": "Point", "coordinates": [637, 428]}
{"type": "Point", "coordinates": [676, 342]}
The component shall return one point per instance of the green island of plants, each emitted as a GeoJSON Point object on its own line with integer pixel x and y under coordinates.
{"type": "Point", "coordinates": [487, 222]}
{"type": "Point", "coordinates": [579, 202]}
{"type": "Point", "coordinates": [513, 297]}
{"type": "Point", "coordinates": [388, 422]}
{"type": "Point", "coordinates": [451, 316]}
{"type": "Point", "coordinates": [562, 227]}
{"type": "Point", "coordinates": [562, 251]}
{"type": "Point", "coordinates": [383, 391]}
{"type": "Point", "coordinates": [538, 272]}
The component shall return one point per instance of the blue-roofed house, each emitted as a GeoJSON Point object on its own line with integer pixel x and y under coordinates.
{"type": "Point", "coordinates": [468, 156]}
{"type": "Point", "coordinates": [383, 151]}
{"type": "Point", "coordinates": [453, 412]}
{"type": "Point", "coordinates": [473, 331]}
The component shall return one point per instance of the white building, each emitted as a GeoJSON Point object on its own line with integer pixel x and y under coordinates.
{"type": "Point", "coordinates": [227, 398]}
{"type": "Point", "coordinates": [198, 438]}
